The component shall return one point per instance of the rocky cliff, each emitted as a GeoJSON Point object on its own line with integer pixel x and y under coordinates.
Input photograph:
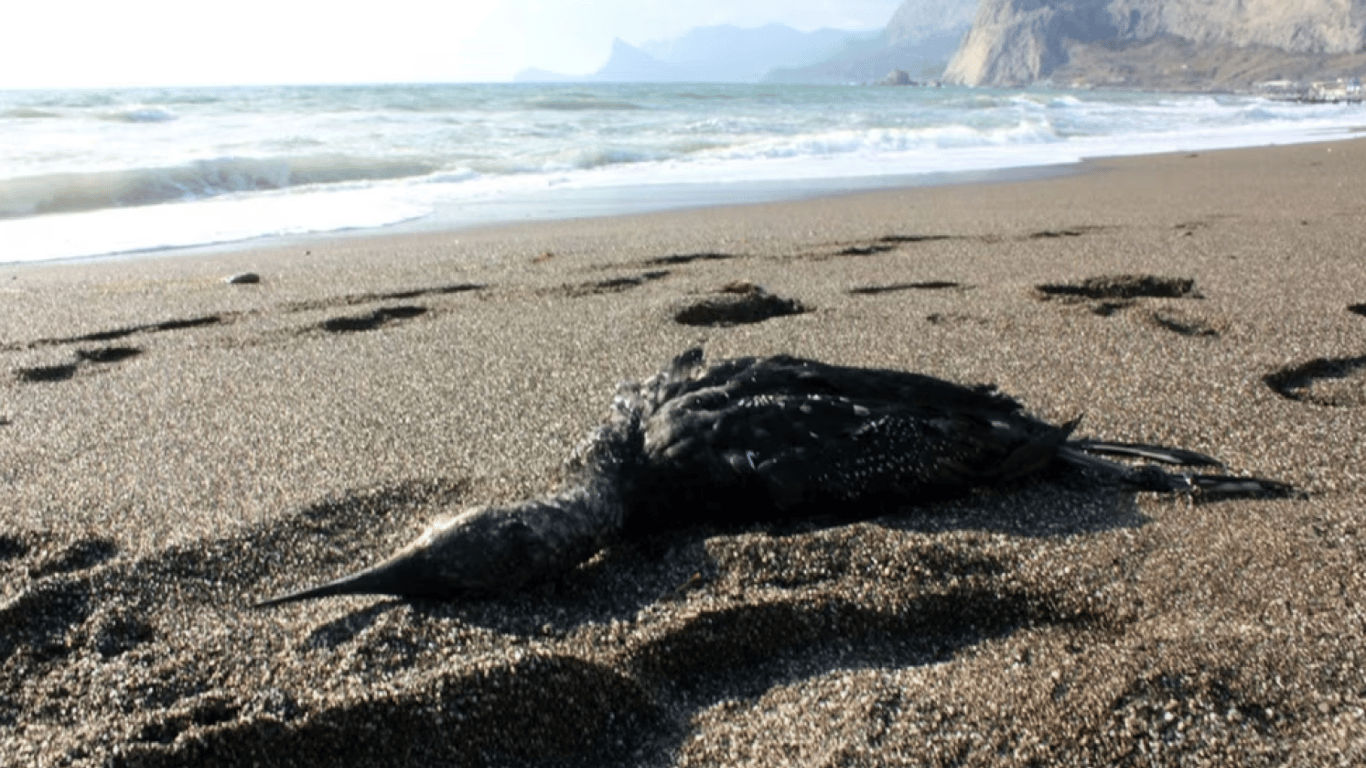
{"type": "Point", "coordinates": [1197, 44]}
{"type": "Point", "coordinates": [715, 54]}
{"type": "Point", "coordinates": [916, 20]}
{"type": "Point", "coordinates": [920, 38]}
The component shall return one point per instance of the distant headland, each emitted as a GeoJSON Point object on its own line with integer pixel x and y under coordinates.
{"type": "Point", "coordinates": [1312, 50]}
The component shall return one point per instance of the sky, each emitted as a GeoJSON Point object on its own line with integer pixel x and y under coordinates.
{"type": "Point", "coordinates": [110, 43]}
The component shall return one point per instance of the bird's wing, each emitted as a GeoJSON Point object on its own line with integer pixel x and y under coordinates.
{"type": "Point", "coordinates": [801, 449]}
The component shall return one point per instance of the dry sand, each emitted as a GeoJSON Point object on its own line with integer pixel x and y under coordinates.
{"type": "Point", "coordinates": [173, 447]}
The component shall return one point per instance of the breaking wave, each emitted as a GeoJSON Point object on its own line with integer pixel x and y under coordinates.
{"type": "Point", "coordinates": [90, 172]}
{"type": "Point", "coordinates": [142, 115]}
{"type": "Point", "coordinates": [27, 113]}
{"type": "Point", "coordinates": [73, 192]}
{"type": "Point", "coordinates": [576, 103]}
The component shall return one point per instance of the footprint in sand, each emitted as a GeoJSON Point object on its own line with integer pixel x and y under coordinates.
{"type": "Point", "coordinates": [884, 244]}
{"type": "Point", "coordinates": [63, 371]}
{"type": "Point", "coordinates": [119, 333]}
{"type": "Point", "coordinates": [611, 285]}
{"type": "Point", "coordinates": [106, 355]}
{"type": "Point", "coordinates": [1338, 382]}
{"type": "Point", "coordinates": [352, 299]}
{"type": "Point", "coordinates": [39, 620]}
{"type": "Point", "coordinates": [77, 556]}
{"type": "Point", "coordinates": [117, 630]}
{"type": "Point", "coordinates": [46, 373]}
{"type": "Point", "coordinates": [372, 320]}
{"type": "Point", "coordinates": [956, 319]}
{"type": "Point", "coordinates": [1054, 234]}
{"type": "Point", "coordinates": [1182, 323]}
{"type": "Point", "coordinates": [102, 355]}
{"type": "Point", "coordinates": [439, 290]}
{"type": "Point", "coordinates": [926, 285]}
{"type": "Point", "coordinates": [1123, 287]}
{"type": "Point", "coordinates": [206, 710]}
{"type": "Point", "coordinates": [738, 303]}
{"type": "Point", "coordinates": [865, 250]}
{"type": "Point", "coordinates": [1108, 294]}
{"type": "Point", "coordinates": [688, 258]}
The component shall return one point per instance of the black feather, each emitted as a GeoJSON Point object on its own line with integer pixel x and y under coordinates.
{"type": "Point", "coordinates": [755, 439]}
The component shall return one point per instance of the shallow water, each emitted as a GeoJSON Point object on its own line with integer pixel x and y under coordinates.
{"type": "Point", "coordinates": [90, 173]}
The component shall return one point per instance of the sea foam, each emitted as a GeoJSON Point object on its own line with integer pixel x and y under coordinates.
{"type": "Point", "coordinates": [87, 173]}
{"type": "Point", "coordinates": [69, 192]}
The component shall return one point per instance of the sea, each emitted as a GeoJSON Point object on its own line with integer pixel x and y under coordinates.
{"type": "Point", "coordinates": [88, 174]}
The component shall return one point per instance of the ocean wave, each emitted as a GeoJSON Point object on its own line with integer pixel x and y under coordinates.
{"type": "Point", "coordinates": [94, 190]}
{"type": "Point", "coordinates": [1259, 113]}
{"type": "Point", "coordinates": [142, 115]}
{"type": "Point", "coordinates": [221, 220]}
{"type": "Point", "coordinates": [277, 157]}
{"type": "Point", "coordinates": [28, 113]}
{"type": "Point", "coordinates": [453, 176]}
{"type": "Point", "coordinates": [716, 96]}
{"type": "Point", "coordinates": [891, 140]}
{"type": "Point", "coordinates": [585, 158]}
{"type": "Point", "coordinates": [586, 103]}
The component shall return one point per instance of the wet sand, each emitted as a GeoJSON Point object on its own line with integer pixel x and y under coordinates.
{"type": "Point", "coordinates": [173, 447]}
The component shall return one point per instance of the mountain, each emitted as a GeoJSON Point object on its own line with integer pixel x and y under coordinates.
{"type": "Point", "coordinates": [917, 20]}
{"type": "Point", "coordinates": [1168, 44]}
{"type": "Point", "coordinates": [867, 60]}
{"type": "Point", "coordinates": [629, 64]}
{"type": "Point", "coordinates": [716, 54]}
{"type": "Point", "coordinates": [726, 53]}
{"type": "Point", "coordinates": [920, 38]}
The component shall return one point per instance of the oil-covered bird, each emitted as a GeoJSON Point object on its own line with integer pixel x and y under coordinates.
{"type": "Point", "coordinates": [756, 439]}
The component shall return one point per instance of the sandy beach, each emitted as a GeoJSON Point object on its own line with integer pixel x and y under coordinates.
{"type": "Point", "coordinates": [174, 447]}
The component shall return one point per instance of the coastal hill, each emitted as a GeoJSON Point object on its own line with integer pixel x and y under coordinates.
{"type": "Point", "coordinates": [727, 53]}
{"type": "Point", "coordinates": [920, 38]}
{"type": "Point", "coordinates": [1202, 45]}
{"type": "Point", "coordinates": [714, 54]}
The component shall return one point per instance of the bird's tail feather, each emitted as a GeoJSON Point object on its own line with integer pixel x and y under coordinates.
{"type": "Point", "coordinates": [1150, 478]}
{"type": "Point", "coordinates": [1162, 453]}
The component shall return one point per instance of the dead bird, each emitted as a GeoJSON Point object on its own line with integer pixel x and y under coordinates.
{"type": "Point", "coordinates": [759, 439]}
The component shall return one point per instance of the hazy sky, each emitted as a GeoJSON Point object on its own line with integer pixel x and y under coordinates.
{"type": "Point", "coordinates": [79, 43]}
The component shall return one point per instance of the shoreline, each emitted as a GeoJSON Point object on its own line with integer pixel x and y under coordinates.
{"type": "Point", "coordinates": [173, 448]}
{"type": "Point", "coordinates": [604, 203]}
{"type": "Point", "coordinates": [420, 231]}
{"type": "Point", "coordinates": [590, 202]}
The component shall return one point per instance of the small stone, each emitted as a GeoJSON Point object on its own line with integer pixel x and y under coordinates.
{"type": "Point", "coordinates": [242, 278]}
